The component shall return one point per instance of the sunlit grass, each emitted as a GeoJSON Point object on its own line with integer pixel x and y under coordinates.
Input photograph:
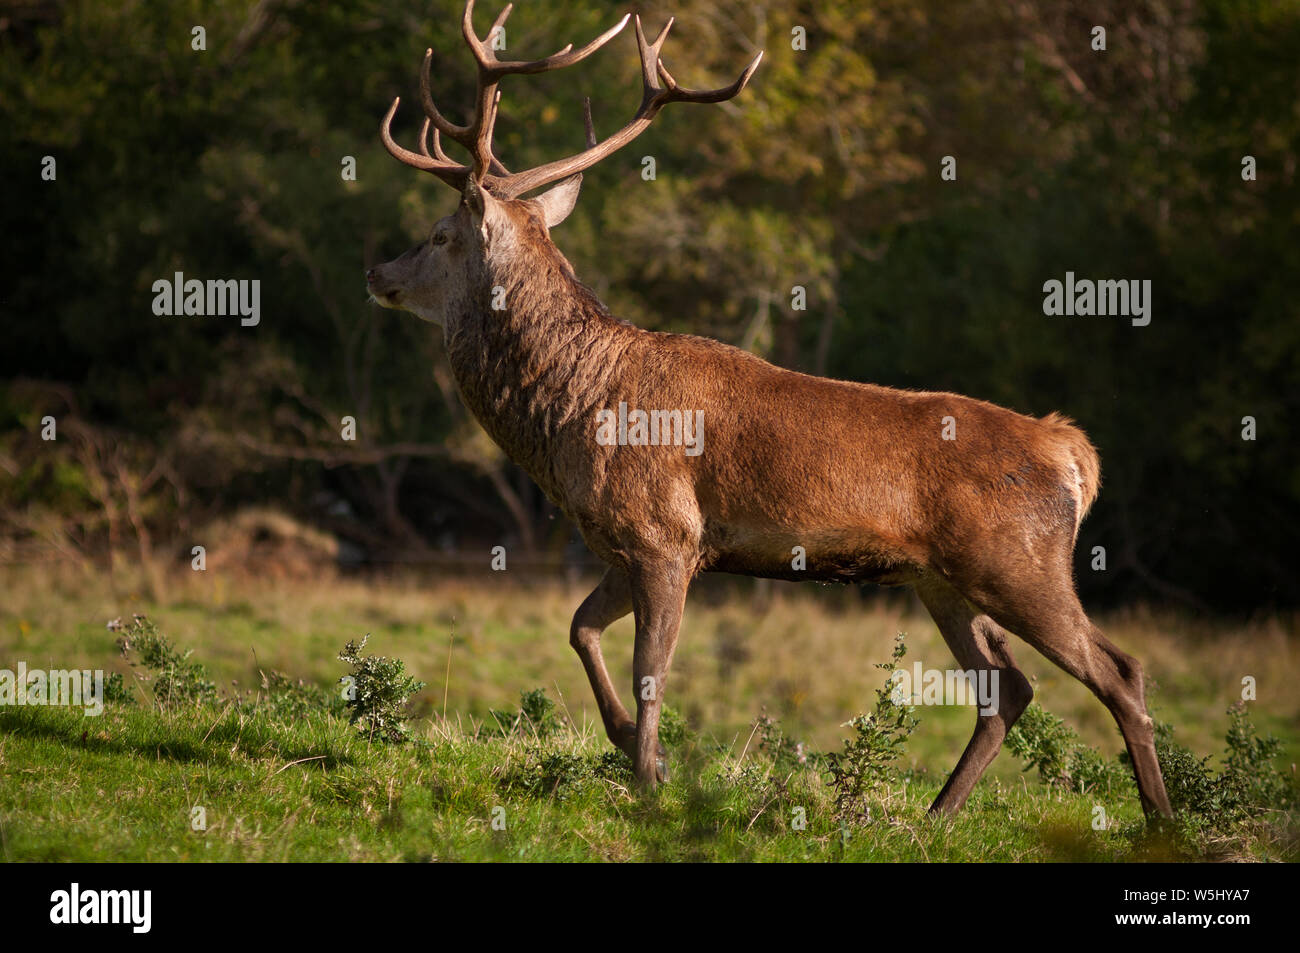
{"type": "Point", "coordinates": [123, 786]}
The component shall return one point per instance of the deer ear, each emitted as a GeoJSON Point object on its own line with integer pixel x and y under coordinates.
{"type": "Point", "coordinates": [558, 202]}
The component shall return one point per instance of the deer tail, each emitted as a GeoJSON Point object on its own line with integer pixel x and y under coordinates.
{"type": "Point", "coordinates": [1082, 461]}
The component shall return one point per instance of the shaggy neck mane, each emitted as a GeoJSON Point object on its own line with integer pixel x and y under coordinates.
{"type": "Point", "coordinates": [543, 366]}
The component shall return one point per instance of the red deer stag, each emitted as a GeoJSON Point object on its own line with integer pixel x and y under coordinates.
{"type": "Point", "coordinates": [975, 506]}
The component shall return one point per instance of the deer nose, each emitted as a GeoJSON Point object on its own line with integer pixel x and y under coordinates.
{"type": "Point", "coordinates": [371, 275]}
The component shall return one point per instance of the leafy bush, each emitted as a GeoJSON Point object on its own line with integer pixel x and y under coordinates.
{"type": "Point", "coordinates": [539, 712]}
{"type": "Point", "coordinates": [1251, 764]}
{"type": "Point", "coordinates": [1044, 741]}
{"type": "Point", "coordinates": [879, 739]}
{"type": "Point", "coordinates": [177, 679]}
{"type": "Point", "coordinates": [1249, 785]}
{"type": "Point", "coordinates": [1189, 781]}
{"type": "Point", "coordinates": [379, 690]}
{"type": "Point", "coordinates": [536, 717]}
{"type": "Point", "coordinates": [563, 775]}
{"type": "Point", "coordinates": [115, 690]}
{"type": "Point", "coordinates": [673, 729]}
{"type": "Point", "coordinates": [284, 697]}
{"type": "Point", "coordinates": [379, 693]}
{"type": "Point", "coordinates": [1202, 798]}
{"type": "Point", "coordinates": [547, 772]}
{"type": "Point", "coordinates": [786, 754]}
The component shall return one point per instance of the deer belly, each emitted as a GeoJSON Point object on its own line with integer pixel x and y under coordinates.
{"type": "Point", "coordinates": [832, 555]}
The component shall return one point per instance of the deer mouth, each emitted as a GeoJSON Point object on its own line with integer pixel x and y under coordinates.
{"type": "Point", "coordinates": [388, 297]}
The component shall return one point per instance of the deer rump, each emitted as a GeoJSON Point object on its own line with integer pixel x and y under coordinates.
{"type": "Point", "coordinates": [802, 477]}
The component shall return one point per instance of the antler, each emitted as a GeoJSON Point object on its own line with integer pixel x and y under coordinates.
{"type": "Point", "coordinates": [653, 98]}
{"type": "Point", "coordinates": [476, 136]}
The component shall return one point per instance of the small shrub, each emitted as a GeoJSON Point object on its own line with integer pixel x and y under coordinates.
{"type": "Point", "coordinates": [879, 739]}
{"type": "Point", "coordinates": [1203, 799]}
{"type": "Point", "coordinates": [283, 697]}
{"type": "Point", "coordinates": [1046, 742]}
{"type": "Point", "coordinates": [539, 712]}
{"type": "Point", "coordinates": [116, 691]}
{"type": "Point", "coordinates": [786, 755]}
{"type": "Point", "coordinates": [614, 765]}
{"type": "Point", "coordinates": [1249, 785]}
{"type": "Point", "coordinates": [537, 717]}
{"type": "Point", "coordinates": [673, 729]}
{"type": "Point", "coordinates": [381, 690]}
{"type": "Point", "coordinates": [1251, 764]}
{"type": "Point", "coordinates": [563, 775]}
{"type": "Point", "coordinates": [177, 679]}
{"type": "Point", "coordinates": [1190, 782]}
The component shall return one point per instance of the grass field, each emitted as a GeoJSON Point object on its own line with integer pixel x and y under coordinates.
{"type": "Point", "coordinates": [304, 785]}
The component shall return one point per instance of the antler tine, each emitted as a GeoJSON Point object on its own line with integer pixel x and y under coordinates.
{"type": "Point", "coordinates": [586, 121]}
{"type": "Point", "coordinates": [439, 164]}
{"type": "Point", "coordinates": [677, 94]}
{"type": "Point", "coordinates": [446, 127]}
{"type": "Point", "coordinates": [493, 69]}
{"type": "Point", "coordinates": [495, 165]}
{"type": "Point", "coordinates": [485, 56]}
{"type": "Point", "coordinates": [654, 98]}
{"type": "Point", "coordinates": [650, 53]}
{"type": "Point", "coordinates": [498, 167]}
{"type": "Point", "coordinates": [652, 68]}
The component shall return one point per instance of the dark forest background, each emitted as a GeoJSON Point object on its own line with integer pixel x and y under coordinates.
{"type": "Point", "coordinates": [824, 173]}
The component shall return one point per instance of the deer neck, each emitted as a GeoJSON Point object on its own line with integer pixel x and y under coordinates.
{"type": "Point", "coordinates": [535, 358]}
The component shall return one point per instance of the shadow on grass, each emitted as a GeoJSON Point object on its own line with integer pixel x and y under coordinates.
{"type": "Point", "coordinates": [213, 745]}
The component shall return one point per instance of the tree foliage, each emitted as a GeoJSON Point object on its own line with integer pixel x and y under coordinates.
{"type": "Point", "coordinates": [824, 174]}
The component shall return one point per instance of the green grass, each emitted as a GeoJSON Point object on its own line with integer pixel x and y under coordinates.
{"type": "Point", "coordinates": [124, 786]}
{"type": "Point", "coordinates": [301, 786]}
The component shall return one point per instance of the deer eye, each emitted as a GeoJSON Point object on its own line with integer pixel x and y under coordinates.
{"type": "Point", "coordinates": [439, 238]}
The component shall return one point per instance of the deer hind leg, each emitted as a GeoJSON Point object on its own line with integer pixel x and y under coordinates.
{"type": "Point", "coordinates": [1044, 611]}
{"type": "Point", "coordinates": [980, 645]}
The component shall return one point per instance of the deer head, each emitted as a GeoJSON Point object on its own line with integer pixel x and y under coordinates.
{"type": "Point", "coordinates": [450, 276]}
